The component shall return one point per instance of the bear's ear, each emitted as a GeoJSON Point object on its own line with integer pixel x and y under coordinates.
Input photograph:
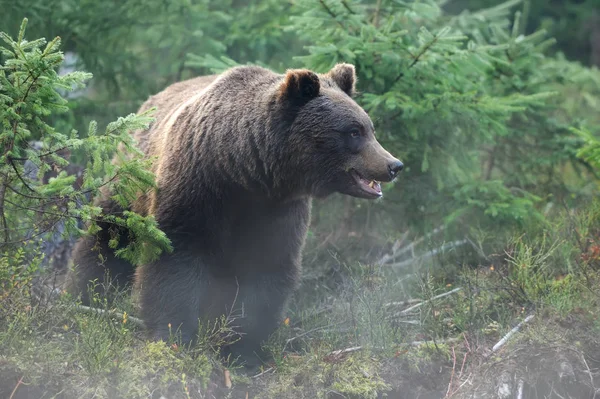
{"type": "Point", "coordinates": [344, 75]}
{"type": "Point", "coordinates": [300, 85]}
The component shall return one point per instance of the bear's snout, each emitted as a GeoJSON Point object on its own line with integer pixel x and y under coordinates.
{"type": "Point", "coordinates": [379, 164]}
{"type": "Point", "coordinates": [394, 168]}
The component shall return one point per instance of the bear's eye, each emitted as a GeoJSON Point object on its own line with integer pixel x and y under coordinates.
{"type": "Point", "coordinates": [355, 134]}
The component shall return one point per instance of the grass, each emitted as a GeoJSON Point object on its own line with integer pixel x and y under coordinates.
{"type": "Point", "coordinates": [359, 339]}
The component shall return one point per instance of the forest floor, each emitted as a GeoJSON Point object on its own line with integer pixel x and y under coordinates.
{"type": "Point", "coordinates": [428, 330]}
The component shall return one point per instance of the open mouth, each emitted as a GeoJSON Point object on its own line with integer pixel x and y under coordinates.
{"type": "Point", "coordinates": [372, 188]}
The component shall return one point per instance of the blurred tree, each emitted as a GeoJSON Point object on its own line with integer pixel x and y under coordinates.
{"type": "Point", "coordinates": [136, 48]}
{"type": "Point", "coordinates": [574, 23]}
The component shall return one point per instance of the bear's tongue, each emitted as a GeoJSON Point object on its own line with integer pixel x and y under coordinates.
{"type": "Point", "coordinates": [371, 186]}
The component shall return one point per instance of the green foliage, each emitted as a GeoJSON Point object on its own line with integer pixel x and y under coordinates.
{"type": "Point", "coordinates": [36, 192]}
{"type": "Point", "coordinates": [571, 22]}
{"type": "Point", "coordinates": [590, 151]}
{"type": "Point", "coordinates": [468, 102]}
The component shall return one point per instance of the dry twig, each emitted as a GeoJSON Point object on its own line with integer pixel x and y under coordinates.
{"type": "Point", "coordinates": [12, 394]}
{"type": "Point", "coordinates": [227, 377]}
{"type": "Point", "coordinates": [429, 254]}
{"type": "Point", "coordinates": [112, 313]}
{"type": "Point", "coordinates": [270, 369]}
{"type": "Point", "coordinates": [505, 339]}
{"type": "Point", "coordinates": [588, 371]}
{"type": "Point", "coordinates": [448, 391]}
{"type": "Point", "coordinates": [418, 305]}
{"type": "Point", "coordinates": [397, 252]}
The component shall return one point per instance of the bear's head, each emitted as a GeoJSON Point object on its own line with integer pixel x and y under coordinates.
{"type": "Point", "coordinates": [332, 136]}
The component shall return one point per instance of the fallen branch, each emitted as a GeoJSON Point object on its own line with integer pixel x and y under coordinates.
{"type": "Point", "coordinates": [433, 252]}
{"type": "Point", "coordinates": [589, 371]}
{"type": "Point", "coordinates": [478, 249]}
{"type": "Point", "coordinates": [397, 253]}
{"type": "Point", "coordinates": [520, 389]}
{"type": "Point", "coordinates": [112, 313]}
{"type": "Point", "coordinates": [419, 343]}
{"type": "Point", "coordinates": [264, 372]}
{"type": "Point", "coordinates": [347, 350]}
{"type": "Point", "coordinates": [418, 305]}
{"type": "Point", "coordinates": [505, 339]}
{"type": "Point", "coordinates": [306, 333]}
{"type": "Point", "coordinates": [340, 353]}
{"type": "Point", "coordinates": [414, 322]}
{"type": "Point", "coordinates": [394, 254]}
{"type": "Point", "coordinates": [403, 303]}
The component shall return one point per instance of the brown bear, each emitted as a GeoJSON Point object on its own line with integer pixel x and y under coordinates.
{"type": "Point", "coordinates": [239, 157]}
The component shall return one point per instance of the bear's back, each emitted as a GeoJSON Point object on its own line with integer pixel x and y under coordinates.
{"type": "Point", "coordinates": [168, 101]}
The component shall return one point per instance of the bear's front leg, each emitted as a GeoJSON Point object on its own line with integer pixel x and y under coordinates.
{"type": "Point", "coordinates": [171, 292]}
{"type": "Point", "coordinates": [258, 312]}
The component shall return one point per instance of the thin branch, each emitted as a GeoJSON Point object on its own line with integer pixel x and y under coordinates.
{"type": "Point", "coordinates": [45, 154]}
{"type": "Point", "coordinates": [588, 371]}
{"type": "Point", "coordinates": [25, 195]}
{"type": "Point", "coordinates": [44, 231]}
{"type": "Point", "coordinates": [16, 122]}
{"type": "Point", "coordinates": [409, 247]}
{"type": "Point", "coordinates": [419, 343]}
{"type": "Point", "coordinates": [451, 375]}
{"type": "Point", "coordinates": [347, 7]}
{"type": "Point", "coordinates": [116, 314]}
{"type": "Point", "coordinates": [505, 339]}
{"type": "Point", "coordinates": [2, 213]}
{"type": "Point", "coordinates": [430, 254]}
{"type": "Point", "coordinates": [418, 305]}
{"type": "Point", "coordinates": [376, 16]}
{"type": "Point", "coordinates": [403, 303]}
{"type": "Point", "coordinates": [39, 210]}
{"type": "Point", "coordinates": [308, 332]}
{"type": "Point", "coordinates": [10, 161]}
{"type": "Point", "coordinates": [416, 58]}
{"type": "Point", "coordinates": [12, 394]}
{"type": "Point", "coordinates": [331, 13]}
{"type": "Point", "coordinates": [478, 249]}
{"type": "Point", "coordinates": [270, 369]}
{"type": "Point", "coordinates": [394, 254]}
{"type": "Point", "coordinates": [340, 352]}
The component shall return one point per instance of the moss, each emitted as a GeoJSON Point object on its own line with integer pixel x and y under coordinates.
{"type": "Point", "coordinates": [315, 375]}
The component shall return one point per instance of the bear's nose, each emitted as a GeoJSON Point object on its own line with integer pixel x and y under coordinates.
{"type": "Point", "coordinates": [394, 168]}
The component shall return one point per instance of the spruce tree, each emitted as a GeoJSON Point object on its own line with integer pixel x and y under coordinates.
{"type": "Point", "coordinates": [37, 194]}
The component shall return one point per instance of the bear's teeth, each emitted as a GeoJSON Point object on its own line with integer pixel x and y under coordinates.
{"type": "Point", "coordinates": [372, 183]}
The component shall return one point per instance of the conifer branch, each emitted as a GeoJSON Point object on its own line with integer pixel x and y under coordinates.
{"type": "Point", "coordinates": [376, 15]}
{"type": "Point", "coordinates": [347, 7]}
{"type": "Point", "coordinates": [4, 222]}
{"type": "Point", "coordinates": [10, 161]}
{"type": "Point", "coordinates": [45, 154]}
{"type": "Point", "coordinates": [417, 58]}
{"type": "Point", "coordinates": [331, 13]}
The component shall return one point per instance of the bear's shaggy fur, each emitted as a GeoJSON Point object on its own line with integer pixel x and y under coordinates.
{"type": "Point", "coordinates": [240, 155]}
